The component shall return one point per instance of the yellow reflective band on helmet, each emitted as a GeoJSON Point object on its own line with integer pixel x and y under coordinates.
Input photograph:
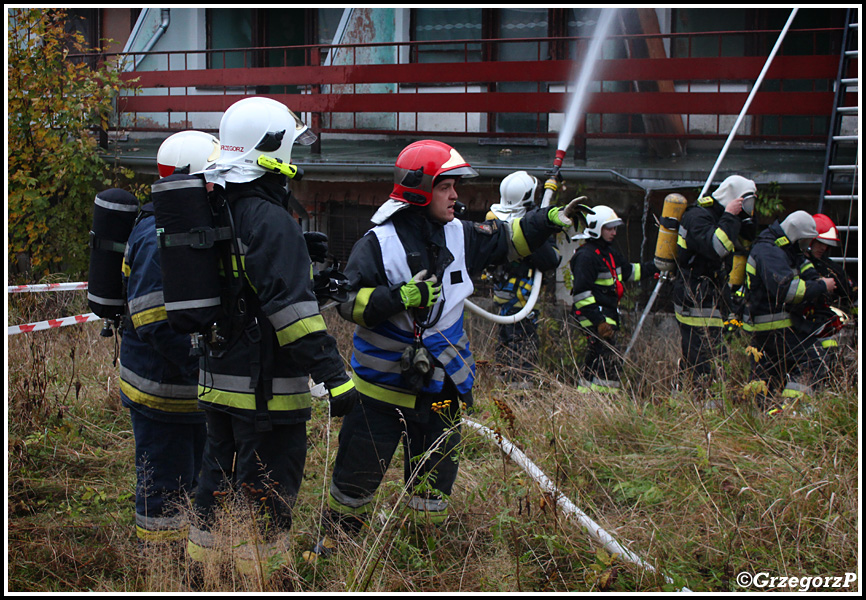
{"type": "Point", "coordinates": [372, 390]}
{"type": "Point", "coordinates": [300, 328]}
{"type": "Point", "coordinates": [341, 389]}
{"type": "Point", "coordinates": [518, 239]}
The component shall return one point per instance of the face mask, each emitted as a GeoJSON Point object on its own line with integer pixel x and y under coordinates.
{"type": "Point", "coordinates": [749, 203]}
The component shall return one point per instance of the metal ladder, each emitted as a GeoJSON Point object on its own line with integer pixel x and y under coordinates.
{"type": "Point", "coordinates": [841, 168]}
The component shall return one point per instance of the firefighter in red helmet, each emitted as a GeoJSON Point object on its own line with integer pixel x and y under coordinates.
{"type": "Point", "coordinates": [820, 321]}
{"type": "Point", "coordinates": [409, 277]}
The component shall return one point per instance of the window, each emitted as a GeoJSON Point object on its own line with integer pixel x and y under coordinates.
{"type": "Point", "coordinates": [443, 24]}
{"type": "Point", "coordinates": [245, 28]}
{"type": "Point", "coordinates": [521, 23]}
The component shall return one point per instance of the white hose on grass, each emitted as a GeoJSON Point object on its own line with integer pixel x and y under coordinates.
{"type": "Point", "coordinates": [595, 531]}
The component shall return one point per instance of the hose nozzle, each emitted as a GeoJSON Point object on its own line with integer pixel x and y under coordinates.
{"type": "Point", "coordinates": [557, 162]}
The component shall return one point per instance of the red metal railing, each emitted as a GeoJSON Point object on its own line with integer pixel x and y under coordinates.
{"type": "Point", "coordinates": [703, 86]}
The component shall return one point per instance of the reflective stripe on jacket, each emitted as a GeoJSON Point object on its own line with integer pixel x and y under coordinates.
{"type": "Point", "coordinates": [594, 289]}
{"type": "Point", "coordinates": [704, 258]}
{"type": "Point", "coordinates": [376, 360]}
{"type": "Point", "coordinates": [286, 341]}
{"type": "Point", "coordinates": [157, 373]}
{"type": "Point", "coordinates": [778, 277]}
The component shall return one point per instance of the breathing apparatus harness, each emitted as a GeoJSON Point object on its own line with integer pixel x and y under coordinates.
{"type": "Point", "coordinates": [416, 363]}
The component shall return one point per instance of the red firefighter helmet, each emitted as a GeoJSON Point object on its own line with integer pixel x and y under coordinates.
{"type": "Point", "coordinates": [826, 230]}
{"type": "Point", "coordinates": [418, 166]}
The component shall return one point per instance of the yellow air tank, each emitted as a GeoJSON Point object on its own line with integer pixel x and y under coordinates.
{"type": "Point", "coordinates": [738, 270]}
{"type": "Point", "coordinates": [669, 224]}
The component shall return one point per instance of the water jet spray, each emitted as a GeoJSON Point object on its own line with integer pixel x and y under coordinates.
{"type": "Point", "coordinates": [566, 134]}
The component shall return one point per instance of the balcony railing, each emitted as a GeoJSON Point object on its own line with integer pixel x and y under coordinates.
{"type": "Point", "coordinates": [382, 89]}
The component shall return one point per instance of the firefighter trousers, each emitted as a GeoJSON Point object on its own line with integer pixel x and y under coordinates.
{"type": "Point", "coordinates": [167, 461]}
{"type": "Point", "coordinates": [264, 468]}
{"type": "Point", "coordinates": [784, 363]}
{"type": "Point", "coordinates": [368, 440]}
{"type": "Point", "coordinates": [701, 348]}
{"type": "Point", "coordinates": [519, 343]}
{"type": "Point", "coordinates": [602, 367]}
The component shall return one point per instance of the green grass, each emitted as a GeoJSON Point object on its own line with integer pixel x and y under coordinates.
{"type": "Point", "coordinates": [700, 495]}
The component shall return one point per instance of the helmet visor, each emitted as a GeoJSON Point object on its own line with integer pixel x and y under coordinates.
{"type": "Point", "coordinates": [465, 171]}
{"type": "Point", "coordinates": [303, 134]}
{"type": "Point", "coordinates": [749, 203]}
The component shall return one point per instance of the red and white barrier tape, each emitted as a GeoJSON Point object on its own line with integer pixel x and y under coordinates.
{"type": "Point", "coordinates": [47, 287]}
{"type": "Point", "coordinates": [51, 324]}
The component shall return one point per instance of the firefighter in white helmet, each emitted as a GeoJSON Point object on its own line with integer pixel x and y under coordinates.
{"type": "Point", "coordinates": [780, 279]}
{"type": "Point", "coordinates": [512, 282]}
{"type": "Point", "coordinates": [158, 377]}
{"type": "Point", "coordinates": [409, 277]}
{"type": "Point", "coordinates": [255, 390]}
{"type": "Point", "coordinates": [708, 238]}
{"type": "Point", "coordinates": [598, 271]}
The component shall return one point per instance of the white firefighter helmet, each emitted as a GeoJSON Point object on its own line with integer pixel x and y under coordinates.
{"type": "Point", "coordinates": [256, 127]}
{"type": "Point", "coordinates": [516, 193]}
{"type": "Point", "coordinates": [735, 187]}
{"type": "Point", "coordinates": [187, 152]}
{"type": "Point", "coordinates": [603, 216]}
{"type": "Point", "coordinates": [799, 225]}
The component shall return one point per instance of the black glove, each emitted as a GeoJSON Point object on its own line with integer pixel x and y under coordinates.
{"type": "Point", "coordinates": [343, 398]}
{"type": "Point", "coordinates": [317, 245]}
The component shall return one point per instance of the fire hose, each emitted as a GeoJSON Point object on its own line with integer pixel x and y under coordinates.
{"type": "Point", "coordinates": [598, 534]}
